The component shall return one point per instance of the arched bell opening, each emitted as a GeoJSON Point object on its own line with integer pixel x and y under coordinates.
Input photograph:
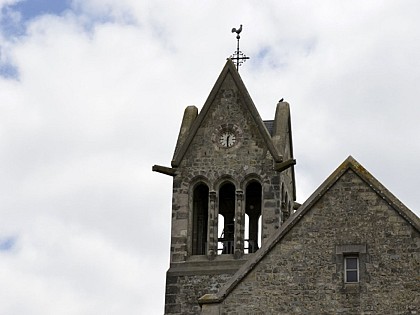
{"type": "Point", "coordinates": [226, 219]}
{"type": "Point", "coordinates": [253, 200]}
{"type": "Point", "coordinates": [200, 219]}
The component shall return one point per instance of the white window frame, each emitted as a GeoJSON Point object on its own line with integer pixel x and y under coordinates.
{"type": "Point", "coordinates": [357, 269]}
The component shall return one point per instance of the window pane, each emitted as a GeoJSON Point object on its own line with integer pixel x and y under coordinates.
{"type": "Point", "coordinates": [351, 263]}
{"type": "Point", "coordinates": [351, 276]}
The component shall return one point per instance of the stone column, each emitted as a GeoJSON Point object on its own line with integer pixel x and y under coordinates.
{"type": "Point", "coordinates": [239, 224]}
{"type": "Point", "coordinates": [212, 235]}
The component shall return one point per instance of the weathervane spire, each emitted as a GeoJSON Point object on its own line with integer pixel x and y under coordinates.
{"type": "Point", "coordinates": [238, 56]}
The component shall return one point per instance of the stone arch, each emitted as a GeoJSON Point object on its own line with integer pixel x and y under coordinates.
{"type": "Point", "coordinates": [196, 180]}
{"type": "Point", "coordinates": [224, 179]}
{"type": "Point", "coordinates": [249, 178]}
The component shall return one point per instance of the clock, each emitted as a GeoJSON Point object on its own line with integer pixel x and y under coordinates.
{"type": "Point", "coordinates": [227, 136]}
{"type": "Point", "coordinates": [227, 139]}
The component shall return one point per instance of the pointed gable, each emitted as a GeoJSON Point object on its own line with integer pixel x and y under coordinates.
{"type": "Point", "coordinates": [351, 173]}
{"type": "Point", "coordinates": [229, 77]}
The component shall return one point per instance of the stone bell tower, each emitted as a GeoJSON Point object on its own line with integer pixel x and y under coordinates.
{"type": "Point", "coordinates": [233, 186]}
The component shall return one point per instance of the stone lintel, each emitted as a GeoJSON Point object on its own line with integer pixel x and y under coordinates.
{"type": "Point", "coordinates": [352, 248]}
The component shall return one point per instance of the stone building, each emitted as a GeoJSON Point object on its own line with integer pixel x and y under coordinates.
{"type": "Point", "coordinates": [240, 244]}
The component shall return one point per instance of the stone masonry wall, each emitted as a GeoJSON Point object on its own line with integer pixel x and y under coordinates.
{"type": "Point", "coordinates": [303, 273]}
{"type": "Point", "coordinates": [182, 292]}
{"type": "Point", "coordinates": [207, 162]}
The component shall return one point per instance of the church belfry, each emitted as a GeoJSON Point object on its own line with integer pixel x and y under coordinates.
{"type": "Point", "coordinates": [233, 186]}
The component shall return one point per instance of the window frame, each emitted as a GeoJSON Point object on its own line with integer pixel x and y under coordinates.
{"type": "Point", "coordinates": [347, 269]}
{"type": "Point", "coordinates": [359, 251]}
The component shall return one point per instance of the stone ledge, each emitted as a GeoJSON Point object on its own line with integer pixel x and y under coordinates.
{"type": "Point", "coordinates": [206, 267]}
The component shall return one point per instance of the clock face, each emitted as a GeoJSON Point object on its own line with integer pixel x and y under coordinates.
{"type": "Point", "coordinates": [227, 136]}
{"type": "Point", "coordinates": [227, 139]}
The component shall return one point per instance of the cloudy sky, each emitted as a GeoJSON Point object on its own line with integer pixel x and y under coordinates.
{"type": "Point", "coordinates": [92, 94]}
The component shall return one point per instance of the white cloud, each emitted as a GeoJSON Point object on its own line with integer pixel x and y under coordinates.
{"type": "Point", "coordinates": [67, 269]}
{"type": "Point", "coordinates": [99, 99]}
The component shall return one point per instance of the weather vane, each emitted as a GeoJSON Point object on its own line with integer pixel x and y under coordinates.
{"type": "Point", "coordinates": [238, 56]}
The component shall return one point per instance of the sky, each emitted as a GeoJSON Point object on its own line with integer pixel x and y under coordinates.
{"type": "Point", "coordinates": [92, 94]}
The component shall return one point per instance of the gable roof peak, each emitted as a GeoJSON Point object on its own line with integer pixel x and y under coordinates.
{"type": "Point", "coordinates": [349, 163]}
{"type": "Point", "coordinates": [229, 68]}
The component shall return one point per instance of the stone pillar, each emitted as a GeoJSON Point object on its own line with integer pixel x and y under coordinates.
{"type": "Point", "coordinates": [239, 224]}
{"type": "Point", "coordinates": [212, 226]}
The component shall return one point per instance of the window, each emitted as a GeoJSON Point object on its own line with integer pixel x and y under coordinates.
{"type": "Point", "coordinates": [351, 269]}
{"type": "Point", "coordinates": [351, 263]}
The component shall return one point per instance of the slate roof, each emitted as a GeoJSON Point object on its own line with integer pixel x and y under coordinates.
{"type": "Point", "coordinates": [269, 124]}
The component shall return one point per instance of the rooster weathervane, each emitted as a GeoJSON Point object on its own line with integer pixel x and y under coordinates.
{"type": "Point", "coordinates": [238, 56]}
